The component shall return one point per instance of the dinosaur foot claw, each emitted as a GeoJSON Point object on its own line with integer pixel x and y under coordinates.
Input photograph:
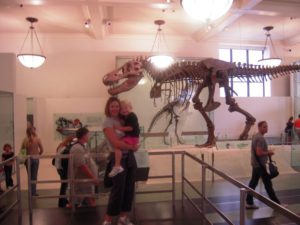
{"type": "Point", "coordinates": [206, 145]}
{"type": "Point", "coordinates": [181, 142]}
{"type": "Point", "coordinates": [243, 137]}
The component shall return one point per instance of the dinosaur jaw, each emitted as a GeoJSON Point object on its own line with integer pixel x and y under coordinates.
{"type": "Point", "coordinates": [126, 85]}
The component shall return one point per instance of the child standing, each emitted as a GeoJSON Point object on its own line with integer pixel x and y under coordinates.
{"type": "Point", "coordinates": [7, 154]}
{"type": "Point", "coordinates": [131, 129]}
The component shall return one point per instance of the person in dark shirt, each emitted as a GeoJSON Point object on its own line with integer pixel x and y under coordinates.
{"type": "Point", "coordinates": [131, 130]}
{"type": "Point", "coordinates": [7, 154]}
{"type": "Point", "coordinates": [289, 130]}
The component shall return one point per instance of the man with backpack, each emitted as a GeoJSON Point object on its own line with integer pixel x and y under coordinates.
{"type": "Point", "coordinates": [82, 169]}
{"type": "Point", "coordinates": [61, 165]}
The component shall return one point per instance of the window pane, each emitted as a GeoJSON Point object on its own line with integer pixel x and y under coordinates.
{"type": "Point", "coordinates": [244, 56]}
{"type": "Point", "coordinates": [240, 89]}
{"type": "Point", "coordinates": [239, 55]}
{"type": "Point", "coordinates": [224, 54]}
{"type": "Point", "coordinates": [222, 92]}
{"type": "Point", "coordinates": [254, 56]}
{"type": "Point", "coordinates": [236, 79]}
{"type": "Point", "coordinates": [256, 90]}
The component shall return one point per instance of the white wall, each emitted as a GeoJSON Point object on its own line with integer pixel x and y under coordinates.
{"type": "Point", "coordinates": [275, 110]}
{"type": "Point", "coordinates": [8, 72]}
{"type": "Point", "coordinates": [66, 75]}
{"type": "Point", "coordinates": [20, 124]}
{"type": "Point", "coordinates": [8, 84]}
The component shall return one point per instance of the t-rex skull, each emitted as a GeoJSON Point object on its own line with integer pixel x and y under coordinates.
{"type": "Point", "coordinates": [130, 72]}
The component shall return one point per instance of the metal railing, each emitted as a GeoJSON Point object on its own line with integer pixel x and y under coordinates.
{"type": "Point", "coordinates": [17, 186]}
{"type": "Point", "coordinates": [244, 190]}
{"type": "Point", "coordinates": [170, 176]}
{"type": "Point", "coordinates": [70, 181]}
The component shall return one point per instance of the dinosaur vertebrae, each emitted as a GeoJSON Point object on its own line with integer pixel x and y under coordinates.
{"type": "Point", "coordinates": [193, 70]}
{"type": "Point", "coordinates": [179, 70]}
{"type": "Point", "coordinates": [255, 73]}
{"type": "Point", "coordinates": [187, 75]}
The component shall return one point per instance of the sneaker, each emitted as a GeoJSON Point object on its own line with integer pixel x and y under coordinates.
{"type": "Point", "coordinates": [115, 171]}
{"type": "Point", "coordinates": [124, 221]}
{"type": "Point", "coordinates": [251, 206]}
{"type": "Point", "coordinates": [105, 222]}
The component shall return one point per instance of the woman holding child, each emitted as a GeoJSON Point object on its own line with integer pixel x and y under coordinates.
{"type": "Point", "coordinates": [123, 182]}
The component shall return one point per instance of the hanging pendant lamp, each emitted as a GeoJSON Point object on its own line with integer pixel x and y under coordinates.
{"type": "Point", "coordinates": [32, 58]}
{"type": "Point", "coordinates": [276, 61]}
{"type": "Point", "coordinates": [159, 58]}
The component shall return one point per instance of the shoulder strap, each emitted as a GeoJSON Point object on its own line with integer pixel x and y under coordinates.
{"type": "Point", "coordinates": [257, 159]}
{"type": "Point", "coordinates": [270, 158]}
{"type": "Point", "coordinates": [71, 145]}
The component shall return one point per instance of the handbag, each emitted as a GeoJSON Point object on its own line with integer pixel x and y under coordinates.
{"type": "Point", "coordinates": [22, 155]}
{"type": "Point", "coordinates": [53, 161]}
{"type": "Point", "coordinates": [273, 169]}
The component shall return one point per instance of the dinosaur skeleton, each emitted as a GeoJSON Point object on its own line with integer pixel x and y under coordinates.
{"type": "Point", "coordinates": [197, 76]}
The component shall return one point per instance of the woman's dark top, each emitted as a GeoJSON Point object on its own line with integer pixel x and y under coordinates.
{"type": "Point", "coordinates": [7, 156]}
{"type": "Point", "coordinates": [289, 127]}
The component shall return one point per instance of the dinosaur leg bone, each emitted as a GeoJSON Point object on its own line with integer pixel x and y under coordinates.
{"type": "Point", "coordinates": [211, 105]}
{"type": "Point", "coordinates": [234, 107]}
{"type": "Point", "coordinates": [166, 129]}
{"type": "Point", "coordinates": [176, 130]}
{"type": "Point", "coordinates": [211, 139]}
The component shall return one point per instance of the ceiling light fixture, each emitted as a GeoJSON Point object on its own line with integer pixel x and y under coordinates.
{"type": "Point", "coordinates": [161, 60]}
{"type": "Point", "coordinates": [206, 10]}
{"type": "Point", "coordinates": [269, 61]}
{"type": "Point", "coordinates": [30, 59]}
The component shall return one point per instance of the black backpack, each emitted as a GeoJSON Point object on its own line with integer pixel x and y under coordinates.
{"type": "Point", "coordinates": [65, 161]}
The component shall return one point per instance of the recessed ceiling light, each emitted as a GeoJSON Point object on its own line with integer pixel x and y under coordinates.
{"type": "Point", "coordinates": [87, 23]}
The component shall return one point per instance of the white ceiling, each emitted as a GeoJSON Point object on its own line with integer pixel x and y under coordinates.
{"type": "Point", "coordinates": [244, 21]}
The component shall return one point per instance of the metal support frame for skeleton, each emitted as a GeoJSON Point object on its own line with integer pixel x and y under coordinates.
{"type": "Point", "coordinates": [169, 110]}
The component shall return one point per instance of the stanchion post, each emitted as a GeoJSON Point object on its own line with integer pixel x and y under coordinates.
{"type": "Point", "coordinates": [203, 180]}
{"type": "Point", "coordinates": [17, 161]}
{"type": "Point", "coordinates": [243, 194]}
{"type": "Point", "coordinates": [29, 188]}
{"type": "Point", "coordinates": [182, 178]}
{"type": "Point", "coordinates": [213, 165]}
{"type": "Point", "coordinates": [71, 162]}
{"type": "Point", "coordinates": [173, 180]}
